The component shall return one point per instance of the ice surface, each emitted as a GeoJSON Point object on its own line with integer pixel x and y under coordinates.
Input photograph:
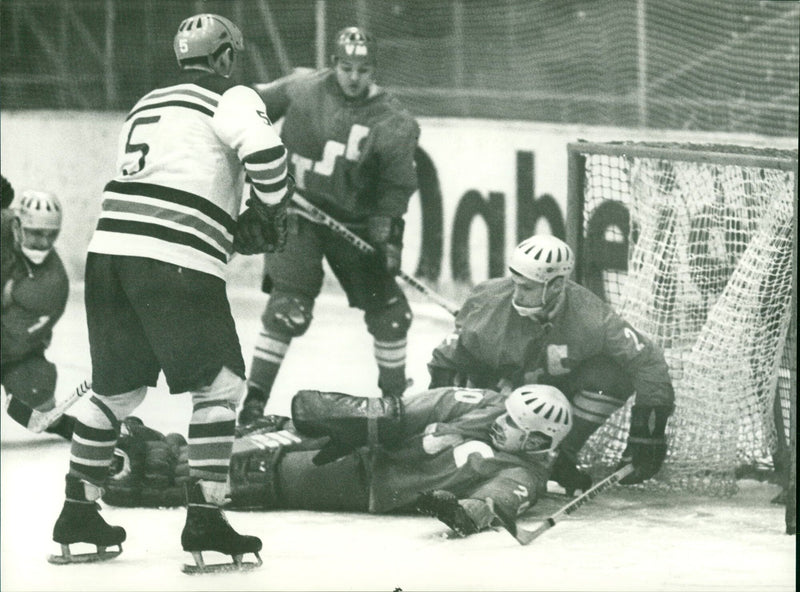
{"type": "Point", "coordinates": [622, 540]}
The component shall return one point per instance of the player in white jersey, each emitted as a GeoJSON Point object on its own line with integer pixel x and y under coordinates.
{"type": "Point", "coordinates": [155, 286]}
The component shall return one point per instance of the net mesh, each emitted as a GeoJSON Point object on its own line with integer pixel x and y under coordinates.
{"type": "Point", "coordinates": [709, 279]}
{"type": "Point", "coordinates": [716, 65]}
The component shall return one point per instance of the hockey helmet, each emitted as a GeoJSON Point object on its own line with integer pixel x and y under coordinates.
{"type": "Point", "coordinates": [38, 223]}
{"type": "Point", "coordinates": [541, 258]}
{"type": "Point", "coordinates": [203, 34]}
{"type": "Point", "coordinates": [354, 43]}
{"type": "Point", "coordinates": [39, 209]}
{"type": "Point", "coordinates": [537, 418]}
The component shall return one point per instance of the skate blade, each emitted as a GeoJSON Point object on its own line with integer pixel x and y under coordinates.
{"type": "Point", "coordinates": [67, 557]}
{"type": "Point", "coordinates": [201, 567]}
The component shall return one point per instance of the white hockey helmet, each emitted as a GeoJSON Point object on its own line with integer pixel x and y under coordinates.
{"type": "Point", "coordinates": [537, 418]}
{"type": "Point", "coordinates": [541, 258]}
{"type": "Point", "coordinates": [203, 34]}
{"type": "Point", "coordinates": [39, 210]}
{"type": "Point", "coordinates": [38, 223]}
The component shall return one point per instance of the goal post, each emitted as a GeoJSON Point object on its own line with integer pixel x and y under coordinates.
{"type": "Point", "coordinates": [695, 245]}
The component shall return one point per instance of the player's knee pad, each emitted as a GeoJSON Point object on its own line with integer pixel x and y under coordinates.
{"type": "Point", "coordinates": [602, 375]}
{"type": "Point", "coordinates": [225, 391]}
{"type": "Point", "coordinates": [107, 411]}
{"type": "Point", "coordinates": [391, 321]}
{"type": "Point", "coordinates": [288, 314]}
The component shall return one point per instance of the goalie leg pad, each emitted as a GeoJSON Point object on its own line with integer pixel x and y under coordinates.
{"type": "Point", "coordinates": [253, 473]}
{"type": "Point", "coordinates": [344, 418]}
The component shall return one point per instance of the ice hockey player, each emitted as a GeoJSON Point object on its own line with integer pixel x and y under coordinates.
{"type": "Point", "coordinates": [35, 291]}
{"type": "Point", "coordinates": [351, 149]}
{"type": "Point", "coordinates": [443, 452]}
{"type": "Point", "coordinates": [155, 283]}
{"type": "Point", "coordinates": [538, 326]}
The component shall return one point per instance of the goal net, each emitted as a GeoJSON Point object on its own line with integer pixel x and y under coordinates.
{"type": "Point", "coordinates": [695, 246]}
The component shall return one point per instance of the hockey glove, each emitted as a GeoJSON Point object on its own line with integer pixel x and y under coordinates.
{"type": "Point", "coordinates": [569, 476]}
{"type": "Point", "coordinates": [386, 235]}
{"type": "Point", "coordinates": [262, 228]}
{"type": "Point", "coordinates": [145, 470]}
{"type": "Point", "coordinates": [647, 445]}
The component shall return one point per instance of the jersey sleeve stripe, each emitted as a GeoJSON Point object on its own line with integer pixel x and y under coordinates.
{"type": "Point", "coordinates": [176, 196]}
{"type": "Point", "coordinates": [264, 188]}
{"type": "Point", "coordinates": [265, 156]}
{"type": "Point", "coordinates": [266, 173]}
{"type": "Point", "coordinates": [175, 103]}
{"type": "Point", "coordinates": [156, 231]}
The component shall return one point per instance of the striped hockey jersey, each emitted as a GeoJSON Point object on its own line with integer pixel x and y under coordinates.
{"type": "Point", "coordinates": [183, 154]}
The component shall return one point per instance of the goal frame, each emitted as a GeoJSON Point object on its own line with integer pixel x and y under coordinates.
{"type": "Point", "coordinates": [713, 154]}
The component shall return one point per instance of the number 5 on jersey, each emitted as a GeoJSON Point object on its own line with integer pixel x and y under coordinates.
{"type": "Point", "coordinates": [141, 148]}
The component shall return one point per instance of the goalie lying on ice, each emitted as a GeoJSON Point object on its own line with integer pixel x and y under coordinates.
{"type": "Point", "coordinates": [442, 452]}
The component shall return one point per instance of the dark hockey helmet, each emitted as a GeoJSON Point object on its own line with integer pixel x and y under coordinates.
{"type": "Point", "coordinates": [203, 34]}
{"type": "Point", "coordinates": [354, 43]}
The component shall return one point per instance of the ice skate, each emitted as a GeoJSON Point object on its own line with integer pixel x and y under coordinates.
{"type": "Point", "coordinates": [207, 529]}
{"type": "Point", "coordinates": [80, 522]}
{"type": "Point", "coordinates": [444, 506]}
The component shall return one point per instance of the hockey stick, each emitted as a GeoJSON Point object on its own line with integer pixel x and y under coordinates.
{"type": "Point", "coordinates": [41, 421]}
{"type": "Point", "coordinates": [524, 537]}
{"type": "Point", "coordinates": [322, 217]}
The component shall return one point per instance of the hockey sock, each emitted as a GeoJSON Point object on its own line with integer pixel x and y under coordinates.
{"type": "Point", "coordinates": [96, 431]}
{"type": "Point", "coordinates": [270, 350]}
{"type": "Point", "coordinates": [213, 426]}
{"type": "Point", "coordinates": [391, 358]}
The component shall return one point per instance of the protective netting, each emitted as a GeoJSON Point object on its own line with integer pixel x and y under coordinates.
{"type": "Point", "coordinates": [709, 278]}
{"type": "Point", "coordinates": [715, 65]}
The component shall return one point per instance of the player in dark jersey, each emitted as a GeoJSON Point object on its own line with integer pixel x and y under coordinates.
{"type": "Point", "coordinates": [441, 445]}
{"type": "Point", "coordinates": [35, 290]}
{"type": "Point", "coordinates": [351, 150]}
{"type": "Point", "coordinates": [537, 326]}
{"type": "Point", "coordinates": [155, 295]}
